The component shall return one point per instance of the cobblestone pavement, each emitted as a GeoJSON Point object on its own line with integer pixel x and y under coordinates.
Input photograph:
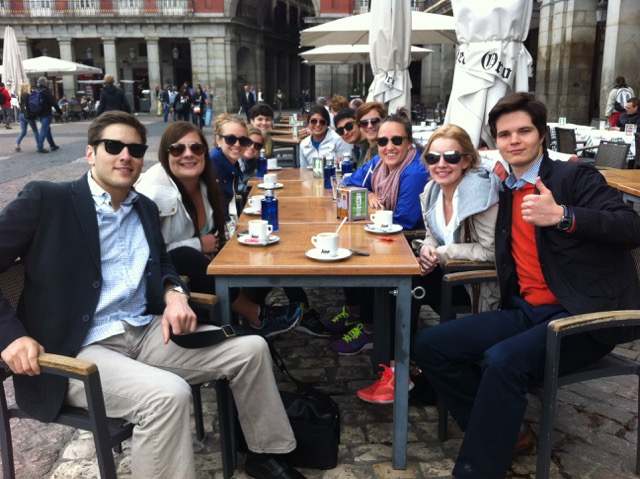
{"type": "Point", "coordinates": [596, 424]}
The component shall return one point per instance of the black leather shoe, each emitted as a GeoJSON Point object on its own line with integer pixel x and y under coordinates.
{"type": "Point", "coordinates": [268, 466]}
{"type": "Point", "coordinates": [55, 147]}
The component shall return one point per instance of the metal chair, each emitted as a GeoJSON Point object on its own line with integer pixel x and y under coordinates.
{"type": "Point", "coordinates": [611, 155]}
{"type": "Point", "coordinates": [566, 140]}
{"type": "Point", "coordinates": [637, 157]}
{"type": "Point", "coordinates": [609, 366]}
{"type": "Point", "coordinates": [107, 432]}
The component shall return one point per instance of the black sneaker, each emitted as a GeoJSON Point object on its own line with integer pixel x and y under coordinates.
{"type": "Point", "coordinates": [278, 319]}
{"type": "Point", "coordinates": [268, 466]}
{"type": "Point", "coordinates": [311, 324]}
{"type": "Point", "coordinates": [43, 150]}
{"type": "Point", "coordinates": [55, 147]}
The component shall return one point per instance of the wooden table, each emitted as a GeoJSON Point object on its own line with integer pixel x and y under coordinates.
{"type": "Point", "coordinates": [390, 265]}
{"type": "Point", "coordinates": [286, 174]}
{"type": "Point", "coordinates": [626, 181]}
{"type": "Point", "coordinates": [295, 188]}
{"type": "Point", "coordinates": [299, 210]}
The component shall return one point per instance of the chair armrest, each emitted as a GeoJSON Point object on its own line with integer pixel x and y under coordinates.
{"type": "Point", "coordinates": [470, 277]}
{"type": "Point", "coordinates": [454, 265]}
{"type": "Point", "coordinates": [593, 322]}
{"type": "Point", "coordinates": [203, 298]}
{"type": "Point", "coordinates": [65, 366]}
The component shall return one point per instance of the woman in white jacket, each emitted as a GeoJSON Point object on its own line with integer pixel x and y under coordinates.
{"type": "Point", "coordinates": [322, 141]}
{"type": "Point", "coordinates": [190, 203]}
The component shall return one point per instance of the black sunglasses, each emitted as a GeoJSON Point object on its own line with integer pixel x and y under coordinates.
{"type": "Point", "coordinates": [114, 147]}
{"type": "Point", "coordinates": [347, 127]}
{"type": "Point", "coordinates": [233, 139]}
{"type": "Point", "coordinates": [257, 146]}
{"type": "Point", "coordinates": [372, 122]}
{"type": "Point", "coordinates": [452, 157]}
{"type": "Point", "coordinates": [396, 140]}
{"type": "Point", "coordinates": [322, 121]}
{"type": "Point", "coordinates": [177, 149]}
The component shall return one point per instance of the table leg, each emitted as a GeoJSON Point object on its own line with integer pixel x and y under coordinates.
{"type": "Point", "coordinates": [401, 401]}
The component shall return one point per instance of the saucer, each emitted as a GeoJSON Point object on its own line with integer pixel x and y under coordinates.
{"type": "Point", "coordinates": [372, 229]}
{"type": "Point", "coordinates": [314, 254]}
{"type": "Point", "coordinates": [246, 240]}
{"type": "Point", "coordinates": [274, 168]}
{"type": "Point", "coordinates": [276, 185]}
{"type": "Point", "coordinates": [252, 211]}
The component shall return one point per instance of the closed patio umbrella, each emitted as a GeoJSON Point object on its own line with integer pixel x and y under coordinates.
{"type": "Point", "coordinates": [491, 61]}
{"type": "Point", "coordinates": [390, 50]}
{"type": "Point", "coordinates": [13, 73]}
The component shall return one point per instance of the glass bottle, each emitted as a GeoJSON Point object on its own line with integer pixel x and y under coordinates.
{"type": "Point", "coordinates": [329, 171]}
{"type": "Point", "coordinates": [262, 163]}
{"type": "Point", "coordinates": [346, 165]}
{"type": "Point", "coordinates": [270, 208]}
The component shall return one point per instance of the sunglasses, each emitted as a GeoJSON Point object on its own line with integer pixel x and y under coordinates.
{"type": "Point", "coordinates": [257, 146]}
{"type": "Point", "coordinates": [322, 121]}
{"type": "Point", "coordinates": [114, 147]}
{"type": "Point", "coordinates": [452, 157]}
{"type": "Point", "coordinates": [177, 149]}
{"type": "Point", "coordinates": [396, 140]}
{"type": "Point", "coordinates": [372, 122]}
{"type": "Point", "coordinates": [233, 139]}
{"type": "Point", "coordinates": [347, 127]}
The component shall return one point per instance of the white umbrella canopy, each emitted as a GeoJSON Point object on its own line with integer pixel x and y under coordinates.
{"type": "Point", "coordinates": [491, 62]}
{"type": "Point", "coordinates": [351, 54]}
{"type": "Point", "coordinates": [49, 66]}
{"type": "Point", "coordinates": [390, 52]}
{"type": "Point", "coordinates": [427, 29]}
{"type": "Point", "coordinates": [13, 74]}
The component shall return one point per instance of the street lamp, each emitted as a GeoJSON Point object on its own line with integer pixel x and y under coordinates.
{"type": "Point", "coordinates": [89, 53]}
{"type": "Point", "coordinates": [45, 52]}
{"type": "Point", "coordinates": [175, 52]}
{"type": "Point", "coordinates": [132, 53]}
{"type": "Point", "coordinates": [601, 11]}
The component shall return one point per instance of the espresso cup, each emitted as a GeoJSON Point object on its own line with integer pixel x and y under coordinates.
{"type": "Point", "coordinates": [272, 163]}
{"type": "Point", "coordinates": [270, 179]}
{"type": "Point", "coordinates": [259, 230]}
{"type": "Point", "coordinates": [255, 202]}
{"type": "Point", "coordinates": [382, 220]}
{"type": "Point", "coordinates": [326, 244]}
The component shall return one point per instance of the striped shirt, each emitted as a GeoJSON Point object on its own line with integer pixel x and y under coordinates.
{"type": "Point", "coordinates": [124, 254]}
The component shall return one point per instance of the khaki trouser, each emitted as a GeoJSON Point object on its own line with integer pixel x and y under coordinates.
{"type": "Point", "coordinates": [147, 382]}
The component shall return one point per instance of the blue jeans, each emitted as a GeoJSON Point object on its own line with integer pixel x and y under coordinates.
{"type": "Point", "coordinates": [45, 132]}
{"type": "Point", "coordinates": [165, 111]}
{"type": "Point", "coordinates": [23, 128]}
{"type": "Point", "coordinates": [489, 402]}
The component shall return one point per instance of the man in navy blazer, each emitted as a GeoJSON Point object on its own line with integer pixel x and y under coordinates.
{"type": "Point", "coordinates": [563, 241]}
{"type": "Point", "coordinates": [100, 286]}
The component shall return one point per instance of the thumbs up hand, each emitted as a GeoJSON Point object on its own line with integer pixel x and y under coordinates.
{"type": "Point", "coordinates": [542, 209]}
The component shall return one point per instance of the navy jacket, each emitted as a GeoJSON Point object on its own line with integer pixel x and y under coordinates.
{"type": "Point", "coordinates": [54, 229]}
{"type": "Point", "coordinates": [590, 269]}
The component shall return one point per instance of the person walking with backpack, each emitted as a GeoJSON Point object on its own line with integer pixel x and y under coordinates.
{"type": "Point", "coordinates": [617, 100]}
{"type": "Point", "coordinates": [27, 118]}
{"type": "Point", "coordinates": [41, 102]}
{"type": "Point", "coordinates": [112, 98]}
{"type": "Point", "coordinates": [5, 104]}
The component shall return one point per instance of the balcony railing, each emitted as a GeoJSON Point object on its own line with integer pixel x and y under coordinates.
{"type": "Point", "coordinates": [93, 8]}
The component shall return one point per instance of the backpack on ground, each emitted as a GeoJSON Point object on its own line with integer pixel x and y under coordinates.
{"type": "Point", "coordinates": [35, 102]}
{"type": "Point", "coordinates": [622, 97]}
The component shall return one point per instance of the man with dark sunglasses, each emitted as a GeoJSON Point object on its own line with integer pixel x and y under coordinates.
{"type": "Point", "coordinates": [348, 129]}
{"type": "Point", "coordinates": [556, 256]}
{"type": "Point", "coordinates": [102, 288]}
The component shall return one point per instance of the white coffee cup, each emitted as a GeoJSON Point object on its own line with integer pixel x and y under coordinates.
{"type": "Point", "coordinates": [326, 244]}
{"type": "Point", "coordinates": [255, 202]}
{"type": "Point", "coordinates": [270, 179]}
{"type": "Point", "coordinates": [382, 220]}
{"type": "Point", "coordinates": [259, 230]}
{"type": "Point", "coordinates": [272, 163]}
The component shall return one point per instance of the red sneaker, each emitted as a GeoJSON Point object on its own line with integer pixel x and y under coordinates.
{"type": "Point", "coordinates": [381, 391]}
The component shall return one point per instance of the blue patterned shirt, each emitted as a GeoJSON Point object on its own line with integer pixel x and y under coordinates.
{"type": "Point", "coordinates": [124, 254]}
{"type": "Point", "coordinates": [529, 176]}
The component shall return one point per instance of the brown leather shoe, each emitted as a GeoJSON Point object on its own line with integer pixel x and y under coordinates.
{"type": "Point", "coordinates": [525, 442]}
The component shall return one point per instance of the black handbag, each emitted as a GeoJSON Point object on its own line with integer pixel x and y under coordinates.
{"type": "Point", "coordinates": [315, 420]}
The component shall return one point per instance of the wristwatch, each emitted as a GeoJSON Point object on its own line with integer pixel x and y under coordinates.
{"type": "Point", "coordinates": [566, 222]}
{"type": "Point", "coordinates": [178, 289]}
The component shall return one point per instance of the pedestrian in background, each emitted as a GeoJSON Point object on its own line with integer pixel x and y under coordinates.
{"type": "Point", "coordinates": [47, 103]}
{"type": "Point", "coordinates": [5, 104]}
{"type": "Point", "coordinates": [27, 118]}
{"type": "Point", "coordinates": [112, 98]}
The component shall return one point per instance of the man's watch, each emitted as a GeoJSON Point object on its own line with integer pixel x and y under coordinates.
{"type": "Point", "coordinates": [178, 289]}
{"type": "Point", "coordinates": [566, 222]}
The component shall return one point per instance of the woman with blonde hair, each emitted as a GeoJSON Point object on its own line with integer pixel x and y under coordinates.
{"type": "Point", "coordinates": [26, 117]}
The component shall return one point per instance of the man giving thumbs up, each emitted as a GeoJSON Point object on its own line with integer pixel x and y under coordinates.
{"type": "Point", "coordinates": [562, 236]}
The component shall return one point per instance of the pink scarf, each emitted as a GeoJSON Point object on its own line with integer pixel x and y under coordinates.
{"type": "Point", "coordinates": [385, 183]}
